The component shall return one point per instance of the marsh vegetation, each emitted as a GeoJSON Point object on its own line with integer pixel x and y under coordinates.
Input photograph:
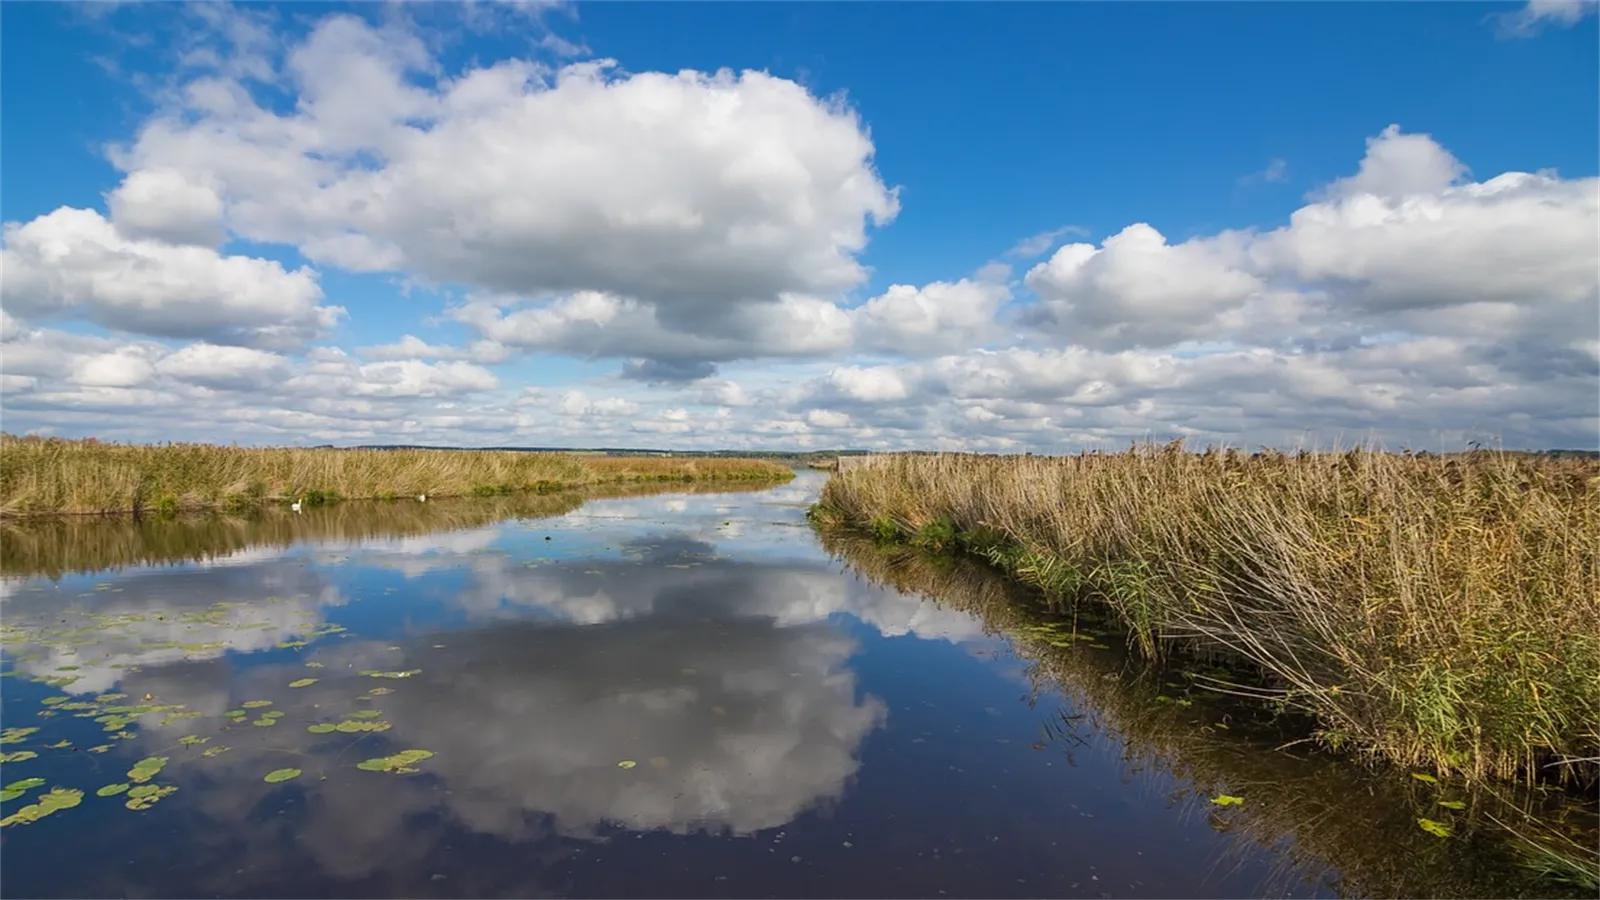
{"type": "Point", "coordinates": [52, 476]}
{"type": "Point", "coordinates": [1439, 612]}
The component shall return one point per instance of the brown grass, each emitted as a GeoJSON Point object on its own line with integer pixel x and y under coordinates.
{"type": "Point", "coordinates": [1434, 611]}
{"type": "Point", "coordinates": [51, 476]}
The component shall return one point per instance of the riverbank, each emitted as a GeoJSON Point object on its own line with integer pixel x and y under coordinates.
{"type": "Point", "coordinates": [1438, 612]}
{"type": "Point", "coordinates": [61, 477]}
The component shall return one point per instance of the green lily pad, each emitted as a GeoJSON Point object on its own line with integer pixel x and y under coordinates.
{"type": "Point", "coordinates": [402, 763]}
{"type": "Point", "coordinates": [16, 756]}
{"type": "Point", "coordinates": [255, 704]}
{"type": "Point", "coordinates": [12, 735]}
{"type": "Point", "coordinates": [320, 728]}
{"type": "Point", "coordinates": [626, 764]}
{"type": "Point", "coordinates": [373, 673]}
{"type": "Point", "coordinates": [354, 726]}
{"type": "Point", "coordinates": [147, 795]}
{"type": "Point", "coordinates": [277, 775]}
{"type": "Point", "coordinates": [1227, 800]}
{"type": "Point", "coordinates": [56, 799]}
{"type": "Point", "coordinates": [26, 784]}
{"type": "Point", "coordinates": [265, 722]}
{"type": "Point", "coordinates": [111, 790]}
{"type": "Point", "coordinates": [217, 750]}
{"type": "Point", "coordinates": [190, 740]}
{"type": "Point", "coordinates": [302, 682]}
{"type": "Point", "coordinates": [1438, 829]}
{"type": "Point", "coordinates": [9, 794]}
{"type": "Point", "coordinates": [146, 769]}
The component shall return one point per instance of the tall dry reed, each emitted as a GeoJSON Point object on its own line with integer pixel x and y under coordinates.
{"type": "Point", "coordinates": [1439, 611]}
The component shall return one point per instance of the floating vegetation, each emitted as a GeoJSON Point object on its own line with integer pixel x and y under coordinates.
{"type": "Point", "coordinates": [357, 726]}
{"type": "Point", "coordinates": [191, 740]}
{"type": "Point", "coordinates": [146, 769]}
{"type": "Point", "coordinates": [217, 750]}
{"type": "Point", "coordinates": [12, 735]}
{"type": "Point", "coordinates": [402, 763]}
{"type": "Point", "coordinates": [100, 748]}
{"type": "Point", "coordinates": [1227, 800]}
{"type": "Point", "coordinates": [626, 764]}
{"type": "Point", "coordinates": [380, 691]}
{"type": "Point", "coordinates": [17, 788]}
{"type": "Point", "coordinates": [374, 673]}
{"type": "Point", "coordinates": [1438, 829]}
{"type": "Point", "coordinates": [277, 775]}
{"type": "Point", "coordinates": [147, 795]}
{"type": "Point", "coordinates": [56, 799]}
{"type": "Point", "coordinates": [321, 728]}
{"type": "Point", "coordinates": [16, 756]}
{"type": "Point", "coordinates": [366, 714]}
{"type": "Point", "coordinates": [111, 790]}
{"type": "Point", "coordinates": [315, 665]}
{"type": "Point", "coordinates": [265, 722]}
{"type": "Point", "coordinates": [256, 704]}
{"type": "Point", "coordinates": [58, 745]}
{"type": "Point", "coordinates": [302, 682]}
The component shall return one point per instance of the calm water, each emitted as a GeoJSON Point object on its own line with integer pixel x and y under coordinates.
{"type": "Point", "coordinates": [675, 694]}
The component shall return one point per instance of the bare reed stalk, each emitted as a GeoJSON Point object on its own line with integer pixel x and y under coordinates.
{"type": "Point", "coordinates": [49, 476]}
{"type": "Point", "coordinates": [1439, 611]}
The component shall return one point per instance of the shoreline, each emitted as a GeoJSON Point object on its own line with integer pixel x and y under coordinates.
{"type": "Point", "coordinates": [1480, 660]}
{"type": "Point", "coordinates": [54, 478]}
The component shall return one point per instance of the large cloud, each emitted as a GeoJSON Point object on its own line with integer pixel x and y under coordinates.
{"type": "Point", "coordinates": [680, 194]}
{"type": "Point", "coordinates": [75, 262]}
{"type": "Point", "coordinates": [1403, 245]}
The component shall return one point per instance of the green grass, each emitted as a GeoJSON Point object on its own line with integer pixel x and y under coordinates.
{"type": "Point", "coordinates": [52, 476]}
{"type": "Point", "coordinates": [1435, 611]}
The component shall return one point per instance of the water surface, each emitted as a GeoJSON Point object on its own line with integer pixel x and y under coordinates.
{"type": "Point", "coordinates": [656, 695]}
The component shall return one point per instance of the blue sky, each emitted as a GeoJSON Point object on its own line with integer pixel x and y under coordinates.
{"type": "Point", "coordinates": [1216, 128]}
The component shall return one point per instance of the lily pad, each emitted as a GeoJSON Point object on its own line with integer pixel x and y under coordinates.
{"type": "Point", "coordinates": [190, 740]}
{"type": "Point", "coordinates": [16, 756]}
{"type": "Point", "coordinates": [277, 775]}
{"type": "Point", "coordinates": [147, 795]}
{"type": "Point", "coordinates": [626, 764]}
{"type": "Point", "coordinates": [146, 769]}
{"type": "Point", "coordinates": [373, 673]}
{"type": "Point", "coordinates": [111, 790]}
{"type": "Point", "coordinates": [55, 799]}
{"type": "Point", "coordinates": [1227, 800]}
{"type": "Point", "coordinates": [12, 735]}
{"type": "Point", "coordinates": [402, 763]}
{"type": "Point", "coordinates": [1438, 829]}
{"type": "Point", "coordinates": [215, 751]}
{"type": "Point", "coordinates": [320, 728]}
{"type": "Point", "coordinates": [302, 682]}
{"type": "Point", "coordinates": [26, 784]}
{"type": "Point", "coordinates": [255, 704]}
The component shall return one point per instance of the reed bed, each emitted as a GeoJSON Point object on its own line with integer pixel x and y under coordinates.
{"type": "Point", "coordinates": [1434, 611]}
{"type": "Point", "coordinates": [53, 476]}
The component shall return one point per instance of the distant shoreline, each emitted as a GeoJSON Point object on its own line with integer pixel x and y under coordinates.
{"type": "Point", "coordinates": [49, 476]}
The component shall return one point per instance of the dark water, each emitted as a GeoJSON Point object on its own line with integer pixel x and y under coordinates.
{"type": "Point", "coordinates": [667, 695]}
